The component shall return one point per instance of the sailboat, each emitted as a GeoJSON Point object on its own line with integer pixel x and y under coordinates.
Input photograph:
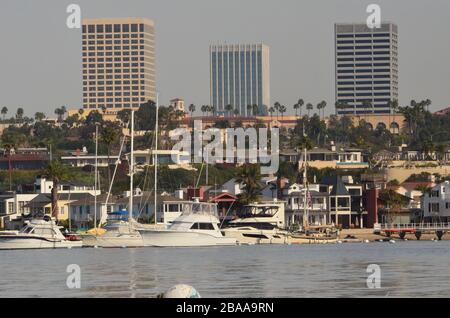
{"type": "Point", "coordinates": [198, 225]}
{"type": "Point", "coordinates": [310, 234]}
{"type": "Point", "coordinates": [119, 230]}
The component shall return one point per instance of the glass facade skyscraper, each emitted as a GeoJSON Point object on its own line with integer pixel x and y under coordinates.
{"type": "Point", "coordinates": [240, 77]}
{"type": "Point", "coordinates": [366, 68]}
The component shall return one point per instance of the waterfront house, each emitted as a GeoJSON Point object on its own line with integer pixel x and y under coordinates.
{"type": "Point", "coordinates": [436, 203]}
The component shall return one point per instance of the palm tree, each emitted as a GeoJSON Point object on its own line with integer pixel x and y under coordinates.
{"type": "Point", "coordinates": [203, 109]}
{"type": "Point", "coordinates": [191, 109]}
{"type": "Point", "coordinates": [255, 109]}
{"type": "Point", "coordinates": [236, 112]}
{"type": "Point", "coordinates": [277, 107]}
{"type": "Point", "coordinates": [4, 112]}
{"type": "Point", "coordinates": [19, 114]}
{"type": "Point", "coordinates": [282, 110]}
{"type": "Point", "coordinates": [309, 107]}
{"type": "Point", "coordinates": [57, 172]}
{"type": "Point", "coordinates": [249, 110]}
{"type": "Point", "coordinates": [249, 176]}
{"type": "Point", "coordinates": [39, 116]}
{"type": "Point", "coordinates": [229, 109]}
{"type": "Point", "coordinates": [271, 111]}
{"type": "Point", "coordinates": [321, 106]}
{"type": "Point", "coordinates": [108, 136]}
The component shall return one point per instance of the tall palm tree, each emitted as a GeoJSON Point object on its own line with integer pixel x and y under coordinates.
{"type": "Point", "coordinates": [19, 114]}
{"type": "Point", "coordinates": [229, 109]}
{"type": "Point", "coordinates": [108, 136]}
{"type": "Point", "coordinates": [282, 110]}
{"type": "Point", "coordinates": [255, 109]}
{"type": "Point", "coordinates": [309, 108]}
{"type": "Point", "coordinates": [277, 106]}
{"type": "Point", "coordinates": [300, 104]}
{"type": "Point", "coordinates": [4, 112]}
{"type": "Point", "coordinates": [236, 112]}
{"type": "Point", "coordinates": [57, 173]}
{"type": "Point", "coordinates": [203, 109]}
{"type": "Point", "coordinates": [249, 176]}
{"type": "Point", "coordinates": [322, 104]}
{"type": "Point", "coordinates": [191, 109]}
{"type": "Point", "coordinates": [271, 111]}
{"type": "Point", "coordinates": [39, 116]}
{"type": "Point", "coordinates": [249, 110]}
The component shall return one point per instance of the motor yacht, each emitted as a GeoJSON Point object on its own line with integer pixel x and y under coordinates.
{"type": "Point", "coordinates": [197, 226]}
{"type": "Point", "coordinates": [38, 234]}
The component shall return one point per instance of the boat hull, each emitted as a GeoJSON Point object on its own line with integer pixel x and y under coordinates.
{"type": "Point", "coordinates": [14, 243]}
{"type": "Point", "coordinates": [183, 239]}
{"type": "Point", "coordinates": [113, 241]}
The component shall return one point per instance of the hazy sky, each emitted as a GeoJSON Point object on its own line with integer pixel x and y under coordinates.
{"type": "Point", "coordinates": [40, 58]}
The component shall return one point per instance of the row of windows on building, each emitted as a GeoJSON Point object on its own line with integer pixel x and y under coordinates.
{"type": "Point", "coordinates": [363, 41]}
{"type": "Point", "coordinates": [358, 59]}
{"type": "Point", "coordinates": [116, 28]}
{"type": "Point", "coordinates": [364, 35]}
{"type": "Point", "coordinates": [116, 42]}
{"type": "Point", "coordinates": [364, 53]}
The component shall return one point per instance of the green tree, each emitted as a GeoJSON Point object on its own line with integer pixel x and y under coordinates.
{"type": "Point", "coordinates": [282, 110]}
{"type": "Point", "coordinates": [124, 116]}
{"type": "Point", "coordinates": [249, 176]}
{"type": "Point", "coordinates": [108, 136]}
{"type": "Point", "coordinates": [57, 173]}
{"type": "Point", "coordinates": [4, 111]}
{"type": "Point", "coordinates": [309, 108]}
{"type": "Point", "coordinates": [39, 116]}
{"type": "Point", "coordinates": [19, 114]}
{"type": "Point", "coordinates": [229, 109]}
{"type": "Point", "coordinates": [192, 109]}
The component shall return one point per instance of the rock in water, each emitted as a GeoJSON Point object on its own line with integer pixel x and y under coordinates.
{"type": "Point", "coordinates": [181, 291]}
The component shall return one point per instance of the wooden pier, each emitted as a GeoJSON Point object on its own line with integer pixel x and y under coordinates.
{"type": "Point", "coordinates": [414, 228]}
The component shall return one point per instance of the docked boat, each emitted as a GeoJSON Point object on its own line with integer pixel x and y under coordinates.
{"type": "Point", "coordinates": [119, 230]}
{"type": "Point", "coordinates": [197, 226]}
{"type": "Point", "coordinates": [116, 233]}
{"type": "Point", "coordinates": [37, 234]}
{"type": "Point", "coordinates": [259, 223]}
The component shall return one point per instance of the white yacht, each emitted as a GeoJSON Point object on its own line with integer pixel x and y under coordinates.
{"type": "Point", "coordinates": [259, 223]}
{"type": "Point", "coordinates": [37, 234]}
{"type": "Point", "coordinates": [197, 226]}
{"type": "Point", "coordinates": [116, 233]}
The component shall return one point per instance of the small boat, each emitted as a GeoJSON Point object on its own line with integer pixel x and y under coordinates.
{"type": "Point", "coordinates": [351, 239]}
{"type": "Point", "coordinates": [38, 234]}
{"type": "Point", "coordinates": [197, 226]}
{"type": "Point", "coordinates": [116, 233]}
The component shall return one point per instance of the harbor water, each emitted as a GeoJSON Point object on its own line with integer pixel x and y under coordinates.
{"type": "Point", "coordinates": [408, 269]}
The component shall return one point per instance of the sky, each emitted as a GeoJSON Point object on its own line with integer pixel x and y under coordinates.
{"type": "Point", "coordinates": [40, 57]}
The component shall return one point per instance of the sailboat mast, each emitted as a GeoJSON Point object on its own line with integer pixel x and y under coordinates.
{"type": "Point", "coordinates": [96, 176]}
{"type": "Point", "coordinates": [130, 204]}
{"type": "Point", "coordinates": [305, 175]}
{"type": "Point", "coordinates": [155, 162]}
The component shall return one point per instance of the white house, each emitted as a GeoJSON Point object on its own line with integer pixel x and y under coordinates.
{"type": "Point", "coordinates": [436, 203]}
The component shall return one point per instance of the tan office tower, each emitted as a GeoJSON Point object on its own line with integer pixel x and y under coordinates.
{"type": "Point", "coordinates": [118, 63]}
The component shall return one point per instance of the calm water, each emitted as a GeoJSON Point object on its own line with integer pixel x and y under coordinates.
{"type": "Point", "coordinates": [417, 269]}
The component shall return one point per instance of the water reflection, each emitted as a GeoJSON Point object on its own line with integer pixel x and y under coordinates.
{"type": "Point", "coordinates": [416, 269]}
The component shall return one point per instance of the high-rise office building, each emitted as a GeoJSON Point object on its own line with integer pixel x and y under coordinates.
{"type": "Point", "coordinates": [118, 63]}
{"type": "Point", "coordinates": [366, 68]}
{"type": "Point", "coordinates": [240, 77]}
